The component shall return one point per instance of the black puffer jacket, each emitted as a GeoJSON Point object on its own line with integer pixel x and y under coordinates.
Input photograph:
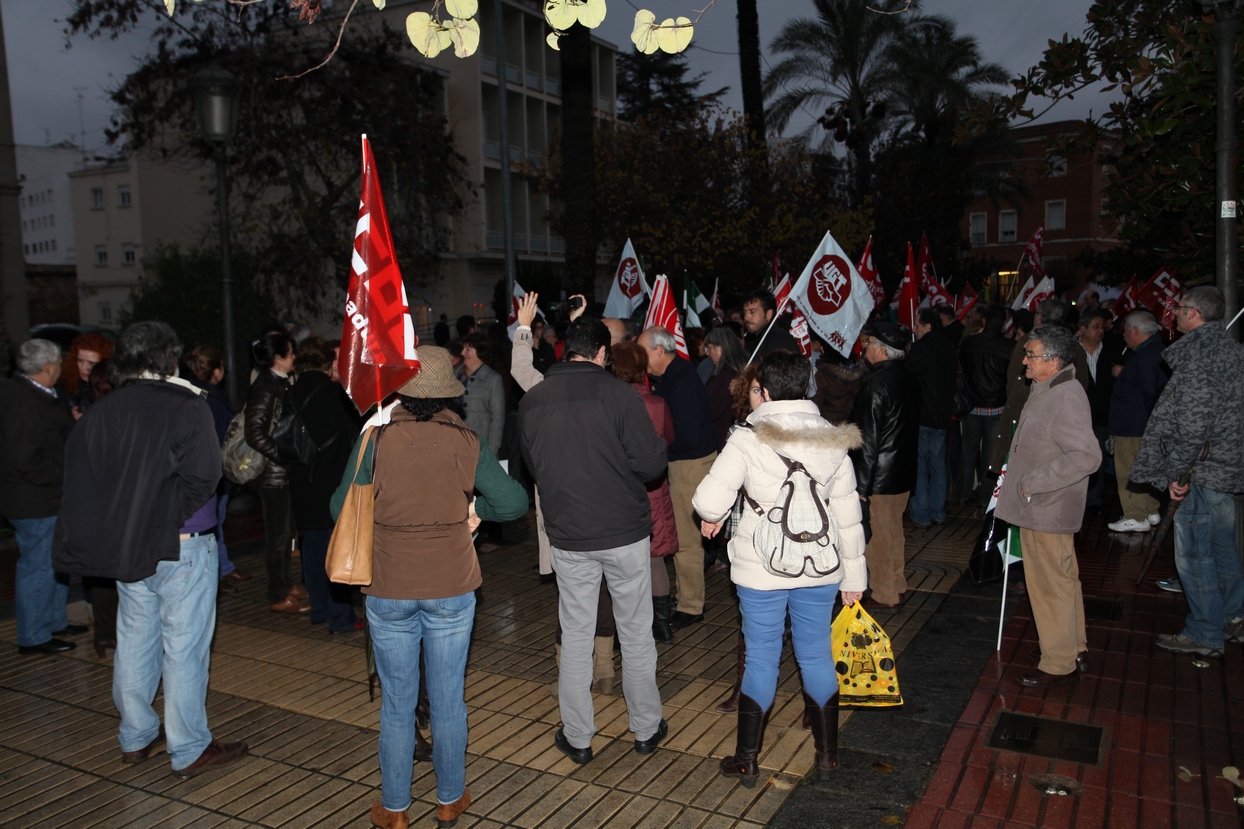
{"type": "Point", "coordinates": [887, 410]}
{"type": "Point", "coordinates": [333, 423]}
{"type": "Point", "coordinates": [984, 358]}
{"type": "Point", "coordinates": [263, 409]}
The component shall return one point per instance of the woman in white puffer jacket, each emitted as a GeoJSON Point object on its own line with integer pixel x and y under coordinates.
{"type": "Point", "coordinates": [788, 424]}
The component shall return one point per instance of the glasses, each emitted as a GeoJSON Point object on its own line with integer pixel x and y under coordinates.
{"type": "Point", "coordinates": [1186, 308]}
{"type": "Point", "coordinates": [1028, 355]}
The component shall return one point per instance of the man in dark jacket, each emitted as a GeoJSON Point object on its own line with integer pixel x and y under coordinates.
{"type": "Point", "coordinates": [140, 507]}
{"type": "Point", "coordinates": [758, 310]}
{"type": "Point", "coordinates": [590, 445]}
{"type": "Point", "coordinates": [691, 456]}
{"type": "Point", "coordinates": [34, 423]}
{"type": "Point", "coordinates": [984, 358]}
{"type": "Point", "coordinates": [1137, 387]}
{"type": "Point", "coordinates": [1099, 358]}
{"type": "Point", "coordinates": [933, 360]}
{"type": "Point", "coordinates": [887, 410]}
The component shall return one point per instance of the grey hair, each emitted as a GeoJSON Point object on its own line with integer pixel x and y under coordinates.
{"type": "Point", "coordinates": [1142, 322]}
{"type": "Point", "coordinates": [33, 355]}
{"type": "Point", "coordinates": [891, 353]}
{"type": "Point", "coordinates": [1057, 341]}
{"type": "Point", "coordinates": [1207, 299]}
{"type": "Point", "coordinates": [145, 348]}
{"type": "Point", "coordinates": [658, 336]}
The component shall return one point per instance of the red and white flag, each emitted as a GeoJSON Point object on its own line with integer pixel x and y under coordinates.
{"type": "Point", "coordinates": [1021, 299]}
{"type": "Point", "coordinates": [1126, 303]}
{"type": "Point", "coordinates": [833, 296]}
{"type": "Point", "coordinates": [775, 272]}
{"type": "Point", "coordinates": [511, 323]}
{"type": "Point", "coordinates": [1043, 291]}
{"type": "Point", "coordinates": [907, 299]}
{"type": "Point", "coordinates": [664, 312]}
{"type": "Point", "coordinates": [1161, 296]}
{"type": "Point", "coordinates": [1032, 251]}
{"type": "Point", "coordinates": [799, 330]}
{"type": "Point", "coordinates": [932, 289]}
{"type": "Point", "coordinates": [716, 303]}
{"type": "Point", "coordinates": [781, 295]}
{"type": "Point", "coordinates": [966, 300]}
{"type": "Point", "coordinates": [378, 337]}
{"type": "Point", "coordinates": [628, 288]}
{"type": "Point", "coordinates": [869, 274]}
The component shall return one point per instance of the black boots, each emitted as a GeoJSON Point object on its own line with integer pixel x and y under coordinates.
{"type": "Point", "coordinates": [742, 764]}
{"type": "Point", "coordinates": [824, 721]}
{"type": "Point", "coordinates": [661, 630]}
{"type": "Point", "coordinates": [730, 704]}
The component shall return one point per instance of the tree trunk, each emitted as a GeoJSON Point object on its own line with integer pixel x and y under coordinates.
{"type": "Point", "coordinates": [749, 72]}
{"type": "Point", "coordinates": [578, 186]}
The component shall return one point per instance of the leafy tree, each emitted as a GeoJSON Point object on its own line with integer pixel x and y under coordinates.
{"type": "Point", "coordinates": [294, 165]}
{"type": "Point", "coordinates": [657, 84]}
{"type": "Point", "coordinates": [1159, 57]}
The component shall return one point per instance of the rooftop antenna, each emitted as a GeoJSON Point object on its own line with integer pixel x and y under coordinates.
{"type": "Point", "coordinates": [81, 90]}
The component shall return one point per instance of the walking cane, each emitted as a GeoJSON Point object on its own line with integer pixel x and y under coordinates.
{"type": "Point", "coordinates": [1164, 526]}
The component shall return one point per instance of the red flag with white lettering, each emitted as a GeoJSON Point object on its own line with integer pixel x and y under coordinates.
{"type": "Point", "coordinates": [799, 330]}
{"type": "Point", "coordinates": [832, 296]}
{"type": "Point", "coordinates": [966, 299]}
{"type": "Point", "coordinates": [378, 337]}
{"type": "Point", "coordinates": [664, 312]}
{"type": "Point", "coordinates": [1161, 296]}
{"type": "Point", "coordinates": [1032, 251]}
{"type": "Point", "coordinates": [908, 297]}
{"type": "Point", "coordinates": [781, 295]}
{"type": "Point", "coordinates": [1126, 303]}
{"type": "Point", "coordinates": [869, 274]}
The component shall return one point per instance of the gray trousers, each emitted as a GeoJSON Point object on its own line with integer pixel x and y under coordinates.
{"type": "Point", "coordinates": [628, 575]}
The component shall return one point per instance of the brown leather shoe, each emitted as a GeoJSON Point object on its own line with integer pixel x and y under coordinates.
{"type": "Point", "coordinates": [1040, 679]}
{"type": "Point", "coordinates": [385, 819]}
{"type": "Point", "coordinates": [298, 592]}
{"type": "Point", "coordinates": [216, 754]}
{"type": "Point", "coordinates": [1082, 661]}
{"type": "Point", "coordinates": [289, 605]}
{"type": "Point", "coordinates": [874, 606]}
{"type": "Point", "coordinates": [447, 813]}
{"type": "Point", "coordinates": [143, 753]}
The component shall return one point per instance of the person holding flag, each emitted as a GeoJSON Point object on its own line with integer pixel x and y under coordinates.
{"type": "Point", "coordinates": [1052, 455]}
{"type": "Point", "coordinates": [759, 311]}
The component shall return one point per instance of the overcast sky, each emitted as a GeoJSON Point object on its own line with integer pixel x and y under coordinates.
{"type": "Point", "coordinates": [59, 93]}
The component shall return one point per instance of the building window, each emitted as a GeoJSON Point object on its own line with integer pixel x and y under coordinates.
{"type": "Point", "coordinates": [128, 255]}
{"type": "Point", "coordinates": [1056, 215]}
{"type": "Point", "coordinates": [105, 312]}
{"type": "Point", "coordinates": [101, 255]}
{"type": "Point", "coordinates": [1006, 226]}
{"type": "Point", "coordinates": [123, 195]}
{"type": "Point", "coordinates": [978, 227]}
{"type": "Point", "coordinates": [1057, 166]}
{"type": "Point", "coordinates": [53, 245]}
{"type": "Point", "coordinates": [97, 198]}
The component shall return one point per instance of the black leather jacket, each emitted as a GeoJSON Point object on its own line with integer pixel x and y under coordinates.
{"type": "Point", "coordinates": [984, 358]}
{"type": "Point", "coordinates": [263, 409]}
{"type": "Point", "coordinates": [887, 410]}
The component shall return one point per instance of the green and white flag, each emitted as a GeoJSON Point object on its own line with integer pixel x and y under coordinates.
{"type": "Point", "coordinates": [694, 302]}
{"type": "Point", "coordinates": [1009, 546]}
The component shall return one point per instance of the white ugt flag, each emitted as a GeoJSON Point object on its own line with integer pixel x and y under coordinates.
{"type": "Point", "coordinates": [628, 288]}
{"type": "Point", "coordinates": [833, 296]}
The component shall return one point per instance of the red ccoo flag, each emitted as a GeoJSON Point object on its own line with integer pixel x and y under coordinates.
{"type": "Point", "coordinates": [966, 300]}
{"type": "Point", "coordinates": [664, 312]}
{"type": "Point", "coordinates": [377, 337]}
{"type": "Point", "coordinates": [1032, 251]}
{"type": "Point", "coordinates": [1161, 296]}
{"type": "Point", "coordinates": [869, 274]}
{"type": "Point", "coordinates": [1126, 302]}
{"type": "Point", "coordinates": [908, 298]}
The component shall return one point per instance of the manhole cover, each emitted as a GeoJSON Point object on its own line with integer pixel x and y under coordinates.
{"type": "Point", "coordinates": [1103, 610]}
{"type": "Point", "coordinates": [1057, 739]}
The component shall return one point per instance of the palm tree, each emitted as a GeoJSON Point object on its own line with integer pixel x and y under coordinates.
{"type": "Point", "coordinates": [837, 69]}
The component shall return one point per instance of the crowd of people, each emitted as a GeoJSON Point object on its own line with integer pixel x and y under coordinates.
{"type": "Point", "coordinates": [633, 455]}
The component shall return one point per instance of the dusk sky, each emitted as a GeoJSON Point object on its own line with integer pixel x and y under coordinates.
{"type": "Point", "coordinates": [46, 79]}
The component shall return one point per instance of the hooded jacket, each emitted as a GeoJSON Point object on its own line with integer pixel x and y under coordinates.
{"type": "Point", "coordinates": [1203, 403]}
{"type": "Point", "coordinates": [750, 461]}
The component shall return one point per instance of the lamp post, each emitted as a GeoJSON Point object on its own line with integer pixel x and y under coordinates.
{"type": "Point", "coordinates": [1226, 28]}
{"type": "Point", "coordinates": [217, 92]}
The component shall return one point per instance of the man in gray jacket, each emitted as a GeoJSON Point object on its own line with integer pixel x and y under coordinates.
{"type": "Point", "coordinates": [1053, 452]}
{"type": "Point", "coordinates": [1197, 424]}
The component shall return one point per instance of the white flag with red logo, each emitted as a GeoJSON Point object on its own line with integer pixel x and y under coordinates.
{"type": "Point", "coordinates": [833, 296]}
{"type": "Point", "coordinates": [1032, 251]}
{"type": "Point", "coordinates": [1021, 299]}
{"type": "Point", "coordinates": [1161, 296]}
{"type": "Point", "coordinates": [664, 312]}
{"type": "Point", "coordinates": [378, 341]}
{"type": "Point", "coordinates": [1043, 291]}
{"type": "Point", "coordinates": [511, 323]}
{"type": "Point", "coordinates": [869, 274]}
{"type": "Point", "coordinates": [628, 288]}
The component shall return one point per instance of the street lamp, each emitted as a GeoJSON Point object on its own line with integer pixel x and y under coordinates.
{"type": "Point", "coordinates": [1226, 27]}
{"type": "Point", "coordinates": [217, 92]}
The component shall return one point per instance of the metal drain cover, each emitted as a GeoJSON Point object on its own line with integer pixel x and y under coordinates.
{"type": "Point", "coordinates": [1057, 739]}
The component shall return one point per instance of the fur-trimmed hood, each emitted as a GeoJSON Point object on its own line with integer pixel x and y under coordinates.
{"type": "Point", "coordinates": [795, 430]}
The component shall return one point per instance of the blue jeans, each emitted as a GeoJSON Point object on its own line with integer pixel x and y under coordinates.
{"type": "Point", "coordinates": [41, 592]}
{"type": "Point", "coordinates": [399, 627]}
{"type": "Point", "coordinates": [222, 512]}
{"type": "Point", "coordinates": [329, 602]}
{"type": "Point", "coordinates": [1208, 563]}
{"type": "Point", "coordinates": [764, 623]}
{"type": "Point", "coordinates": [165, 625]}
{"type": "Point", "coordinates": [928, 500]}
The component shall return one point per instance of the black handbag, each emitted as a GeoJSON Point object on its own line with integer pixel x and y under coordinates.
{"type": "Point", "coordinates": [985, 564]}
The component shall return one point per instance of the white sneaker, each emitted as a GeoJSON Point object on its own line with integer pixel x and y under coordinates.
{"type": "Point", "coordinates": [1129, 525]}
{"type": "Point", "coordinates": [1155, 519]}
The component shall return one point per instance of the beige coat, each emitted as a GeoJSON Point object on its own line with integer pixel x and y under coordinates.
{"type": "Point", "coordinates": [749, 460]}
{"type": "Point", "coordinates": [1052, 454]}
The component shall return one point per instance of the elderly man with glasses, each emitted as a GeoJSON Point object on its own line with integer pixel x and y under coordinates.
{"type": "Point", "coordinates": [1053, 453]}
{"type": "Point", "coordinates": [1197, 424]}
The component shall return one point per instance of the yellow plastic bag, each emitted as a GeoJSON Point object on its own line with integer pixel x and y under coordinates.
{"type": "Point", "coordinates": [864, 660]}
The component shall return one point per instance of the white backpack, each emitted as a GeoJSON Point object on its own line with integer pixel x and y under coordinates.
{"type": "Point", "coordinates": [798, 535]}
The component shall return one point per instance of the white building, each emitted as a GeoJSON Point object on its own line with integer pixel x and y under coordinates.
{"type": "Point", "coordinates": [44, 203]}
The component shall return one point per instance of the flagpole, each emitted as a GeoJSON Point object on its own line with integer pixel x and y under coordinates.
{"type": "Point", "coordinates": [772, 323]}
{"type": "Point", "coordinates": [1233, 319]}
{"type": "Point", "coordinates": [1006, 572]}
